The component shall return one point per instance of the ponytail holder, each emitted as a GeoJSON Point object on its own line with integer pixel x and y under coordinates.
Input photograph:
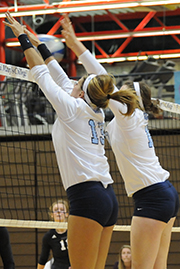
{"type": "Point", "coordinates": [108, 96]}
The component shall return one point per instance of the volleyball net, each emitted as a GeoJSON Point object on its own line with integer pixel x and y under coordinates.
{"type": "Point", "coordinates": [29, 177]}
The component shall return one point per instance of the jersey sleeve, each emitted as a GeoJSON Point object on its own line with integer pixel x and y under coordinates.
{"type": "Point", "coordinates": [91, 65]}
{"type": "Point", "coordinates": [65, 105]}
{"type": "Point", "coordinates": [59, 76]}
{"type": "Point", "coordinates": [45, 250]}
{"type": "Point", "coordinates": [117, 107]}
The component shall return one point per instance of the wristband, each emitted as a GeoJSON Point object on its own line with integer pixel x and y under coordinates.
{"type": "Point", "coordinates": [25, 42]}
{"type": "Point", "coordinates": [45, 52]}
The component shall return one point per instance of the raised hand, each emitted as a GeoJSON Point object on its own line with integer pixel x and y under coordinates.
{"type": "Point", "coordinates": [68, 31]}
{"type": "Point", "coordinates": [16, 27]}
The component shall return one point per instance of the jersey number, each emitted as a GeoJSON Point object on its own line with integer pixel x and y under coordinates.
{"type": "Point", "coordinates": [63, 247]}
{"type": "Point", "coordinates": [94, 138]}
{"type": "Point", "coordinates": [150, 141]}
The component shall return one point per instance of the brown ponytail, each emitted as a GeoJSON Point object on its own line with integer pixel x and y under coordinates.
{"type": "Point", "coordinates": [149, 105]}
{"type": "Point", "coordinates": [100, 90]}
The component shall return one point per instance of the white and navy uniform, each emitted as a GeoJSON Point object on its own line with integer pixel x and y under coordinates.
{"type": "Point", "coordinates": [57, 243]}
{"type": "Point", "coordinates": [131, 143]}
{"type": "Point", "coordinates": [78, 132]}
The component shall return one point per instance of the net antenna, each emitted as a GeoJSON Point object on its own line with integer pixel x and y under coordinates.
{"type": "Point", "coordinates": [17, 72]}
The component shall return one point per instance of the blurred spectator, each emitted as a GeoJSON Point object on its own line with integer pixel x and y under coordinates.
{"type": "Point", "coordinates": [124, 261]}
{"type": "Point", "coordinates": [5, 249]}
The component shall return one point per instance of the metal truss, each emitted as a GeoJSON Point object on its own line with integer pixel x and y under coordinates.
{"type": "Point", "coordinates": [131, 31]}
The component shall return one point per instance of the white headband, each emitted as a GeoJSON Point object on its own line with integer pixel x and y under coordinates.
{"type": "Point", "coordinates": [85, 86]}
{"type": "Point", "coordinates": [137, 89]}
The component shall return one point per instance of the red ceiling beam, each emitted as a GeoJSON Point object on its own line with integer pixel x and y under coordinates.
{"type": "Point", "coordinates": [55, 27]}
{"type": "Point", "coordinates": [103, 53]}
{"type": "Point", "coordinates": [80, 5]}
{"type": "Point", "coordinates": [117, 20]}
{"type": "Point", "coordinates": [140, 27]}
{"type": "Point", "coordinates": [105, 35]}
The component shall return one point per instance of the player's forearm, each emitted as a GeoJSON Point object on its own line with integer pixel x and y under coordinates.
{"type": "Point", "coordinates": [91, 64]}
{"type": "Point", "coordinates": [78, 48]}
{"type": "Point", "coordinates": [40, 266]}
{"type": "Point", "coordinates": [33, 58]}
{"type": "Point", "coordinates": [59, 76]}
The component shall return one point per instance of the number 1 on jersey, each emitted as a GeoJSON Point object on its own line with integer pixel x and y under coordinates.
{"type": "Point", "coordinates": [95, 139]}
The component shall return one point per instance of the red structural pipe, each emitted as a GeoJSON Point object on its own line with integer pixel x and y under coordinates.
{"type": "Point", "coordinates": [69, 4]}
{"type": "Point", "coordinates": [71, 64]}
{"type": "Point", "coordinates": [2, 48]}
{"type": "Point", "coordinates": [2, 45]}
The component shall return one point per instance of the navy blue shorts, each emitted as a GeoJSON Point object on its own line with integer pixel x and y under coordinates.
{"type": "Point", "coordinates": [91, 200]}
{"type": "Point", "coordinates": [159, 201]}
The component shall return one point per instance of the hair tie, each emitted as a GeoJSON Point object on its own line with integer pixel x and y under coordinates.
{"type": "Point", "coordinates": [108, 96]}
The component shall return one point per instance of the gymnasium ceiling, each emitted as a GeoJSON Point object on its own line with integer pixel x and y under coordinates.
{"type": "Point", "coordinates": [112, 29]}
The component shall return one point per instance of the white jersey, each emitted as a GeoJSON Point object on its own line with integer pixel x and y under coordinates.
{"type": "Point", "coordinates": [78, 135]}
{"type": "Point", "coordinates": [130, 141]}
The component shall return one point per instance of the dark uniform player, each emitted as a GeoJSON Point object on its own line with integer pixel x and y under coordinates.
{"type": "Point", "coordinates": [5, 249]}
{"type": "Point", "coordinates": [56, 240]}
{"type": "Point", "coordinates": [58, 244]}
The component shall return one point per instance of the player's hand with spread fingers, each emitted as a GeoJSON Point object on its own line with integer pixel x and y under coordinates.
{"type": "Point", "coordinates": [71, 40]}
{"type": "Point", "coordinates": [68, 31]}
{"type": "Point", "coordinates": [16, 27]}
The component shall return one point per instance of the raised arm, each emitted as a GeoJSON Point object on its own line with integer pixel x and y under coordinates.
{"type": "Point", "coordinates": [64, 105]}
{"type": "Point", "coordinates": [56, 71]}
{"type": "Point", "coordinates": [32, 57]}
{"type": "Point", "coordinates": [89, 62]}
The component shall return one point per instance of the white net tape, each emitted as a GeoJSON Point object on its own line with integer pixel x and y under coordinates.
{"type": "Point", "coordinates": [56, 225]}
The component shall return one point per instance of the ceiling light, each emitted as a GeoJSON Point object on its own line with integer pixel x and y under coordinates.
{"type": "Point", "coordinates": [79, 6]}
{"type": "Point", "coordinates": [12, 44]}
{"type": "Point", "coordinates": [165, 56]}
{"type": "Point", "coordinates": [135, 58]}
{"type": "Point", "coordinates": [159, 3]}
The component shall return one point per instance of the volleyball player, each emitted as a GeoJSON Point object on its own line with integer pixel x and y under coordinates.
{"type": "Point", "coordinates": [56, 239]}
{"type": "Point", "coordinates": [156, 200]}
{"type": "Point", "coordinates": [78, 140]}
{"type": "Point", "coordinates": [125, 260]}
{"type": "Point", "coordinates": [5, 249]}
